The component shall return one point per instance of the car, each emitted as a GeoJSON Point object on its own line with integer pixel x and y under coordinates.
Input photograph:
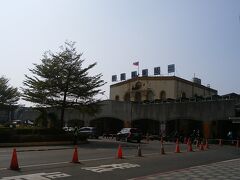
{"type": "Point", "coordinates": [129, 134]}
{"type": "Point", "coordinates": [90, 132]}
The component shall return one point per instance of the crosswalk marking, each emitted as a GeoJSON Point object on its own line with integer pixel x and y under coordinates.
{"type": "Point", "coordinates": [38, 176]}
{"type": "Point", "coordinates": [110, 167]}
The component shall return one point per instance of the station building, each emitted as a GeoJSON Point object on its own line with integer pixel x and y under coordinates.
{"type": "Point", "coordinates": [161, 88]}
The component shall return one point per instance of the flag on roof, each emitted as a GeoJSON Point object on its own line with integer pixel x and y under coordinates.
{"type": "Point", "coordinates": [136, 63]}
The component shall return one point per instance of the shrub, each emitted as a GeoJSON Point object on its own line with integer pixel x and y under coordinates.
{"type": "Point", "coordinates": [35, 135]}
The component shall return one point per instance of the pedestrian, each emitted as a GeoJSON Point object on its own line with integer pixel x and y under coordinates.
{"type": "Point", "coordinates": [75, 135]}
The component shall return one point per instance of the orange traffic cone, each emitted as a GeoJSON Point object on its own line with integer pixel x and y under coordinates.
{"type": "Point", "coordinates": [189, 149]}
{"type": "Point", "coordinates": [139, 151]}
{"type": "Point", "coordinates": [201, 146]}
{"type": "Point", "coordinates": [185, 140]}
{"type": "Point", "coordinates": [206, 145]}
{"type": "Point", "coordinates": [75, 156]}
{"type": "Point", "coordinates": [177, 150]}
{"type": "Point", "coordinates": [119, 152]}
{"type": "Point", "coordinates": [14, 161]}
{"type": "Point", "coordinates": [162, 147]}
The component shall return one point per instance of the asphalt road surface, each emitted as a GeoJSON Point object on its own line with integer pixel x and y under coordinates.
{"type": "Point", "coordinates": [98, 160]}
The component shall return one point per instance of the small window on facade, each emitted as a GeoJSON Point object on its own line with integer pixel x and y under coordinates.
{"type": "Point", "coordinates": [150, 96]}
{"type": "Point", "coordinates": [127, 97]}
{"type": "Point", "coordinates": [117, 97]}
{"type": "Point", "coordinates": [163, 95]}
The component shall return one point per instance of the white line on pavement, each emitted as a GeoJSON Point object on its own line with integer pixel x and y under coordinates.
{"type": "Point", "coordinates": [83, 160]}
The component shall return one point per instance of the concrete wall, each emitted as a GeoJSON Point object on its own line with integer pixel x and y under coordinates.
{"type": "Point", "coordinates": [127, 111]}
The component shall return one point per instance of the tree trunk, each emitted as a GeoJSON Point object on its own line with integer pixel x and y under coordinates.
{"type": "Point", "coordinates": [63, 109]}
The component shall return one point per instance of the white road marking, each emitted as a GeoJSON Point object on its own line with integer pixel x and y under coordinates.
{"type": "Point", "coordinates": [38, 176]}
{"type": "Point", "coordinates": [110, 167]}
{"type": "Point", "coordinates": [83, 160]}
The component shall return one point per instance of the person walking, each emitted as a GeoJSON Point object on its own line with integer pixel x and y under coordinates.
{"type": "Point", "coordinates": [75, 135]}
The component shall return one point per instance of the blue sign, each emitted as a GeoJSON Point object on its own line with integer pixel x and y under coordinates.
{"type": "Point", "coordinates": [134, 74]}
{"type": "Point", "coordinates": [114, 78]}
{"type": "Point", "coordinates": [123, 76]}
{"type": "Point", "coordinates": [171, 68]}
{"type": "Point", "coordinates": [145, 72]}
{"type": "Point", "coordinates": [157, 71]}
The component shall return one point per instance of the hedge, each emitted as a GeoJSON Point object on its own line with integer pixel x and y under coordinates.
{"type": "Point", "coordinates": [21, 135]}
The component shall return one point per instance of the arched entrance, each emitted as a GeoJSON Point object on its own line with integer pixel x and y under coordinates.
{"type": "Point", "coordinates": [150, 95]}
{"type": "Point", "coordinates": [147, 126]}
{"type": "Point", "coordinates": [107, 125]}
{"type": "Point", "coordinates": [163, 95]}
{"type": "Point", "coordinates": [75, 122]}
{"type": "Point", "coordinates": [183, 127]}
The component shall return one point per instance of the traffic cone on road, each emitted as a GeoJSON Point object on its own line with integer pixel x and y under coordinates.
{"type": "Point", "coordinates": [75, 156]}
{"type": "Point", "coordinates": [162, 147]}
{"type": "Point", "coordinates": [201, 146]}
{"type": "Point", "coordinates": [185, 140]}
{"type": "Point", "coordinates": [177, 150]}
{"type": "Point", "coordinates": [189, 149]}
{"type": "Point", "coordinates": [14, 161]}
{"type": "Point", "coordinates": [119, 152]}
{"type": "Point", "coordinates": [206, 145]}
{"type": "Point", "coordinates": [139, 151]}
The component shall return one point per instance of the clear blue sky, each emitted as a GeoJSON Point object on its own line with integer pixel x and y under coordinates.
{"type": "Point", "coordinates": [201, 37]}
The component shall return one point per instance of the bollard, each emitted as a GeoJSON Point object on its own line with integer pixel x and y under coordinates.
{"type": "Point", "coordinates": [139, 151]}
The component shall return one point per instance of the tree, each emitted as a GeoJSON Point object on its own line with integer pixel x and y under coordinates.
{"type": "Point", "coordinates": [60, 81]}
{"type": "Point", "coordinates": [8, 94]}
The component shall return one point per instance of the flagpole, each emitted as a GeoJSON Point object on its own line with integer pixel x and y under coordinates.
{"type": "Point", "coordinates": [138, 69]}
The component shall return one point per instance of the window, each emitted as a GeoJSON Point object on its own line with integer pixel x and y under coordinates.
{"type": "Point", "coordinates": [138, 97]}
{"type": "Point", "coordinates": [163, 95]}
{"type": "Point", "coordinates": [127, 97]}
{"type": "Point", "coordinates": [117, 97]}
{"type": "Point", "coordinates": [150, 95]}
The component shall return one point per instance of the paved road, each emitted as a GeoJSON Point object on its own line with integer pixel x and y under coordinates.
{"type": "Point", "coordinates": [98, 161]}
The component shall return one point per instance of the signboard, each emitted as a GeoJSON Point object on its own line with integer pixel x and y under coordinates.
{"type": "Point", "coordinates": [145, 72]}
{"type": "Point", "coordinates": [157, 71]}
{"type": "Point", "coordinates": [171, 68]}
{"type": "Point", "coordinates": [123, 76]}
{"type": "Point", "coordinates": [114, 78]}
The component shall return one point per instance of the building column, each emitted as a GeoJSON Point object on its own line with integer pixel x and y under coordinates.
{"type": "Point", "coordinates": [126, 124]}
{"type": "Point", "coordinates": [206, 129]}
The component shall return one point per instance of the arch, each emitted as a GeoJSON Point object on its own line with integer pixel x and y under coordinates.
{"type": "Point", "coordinates": [150, 95]}
{"type": "Point", "coordinates": [183, 127]}
{"type": "Point", "coordinates": [163, 95]}
{"type": "Point", "coordinates": [138, 97]}
{"type": "Point", "coordinates": [75, 122]}
{"type": "Point", "coordinates": [147, 126]}
{"type": "Point", "coordinates": [107, 125]}
{"type": "Point", "coordinates": [127, 96]}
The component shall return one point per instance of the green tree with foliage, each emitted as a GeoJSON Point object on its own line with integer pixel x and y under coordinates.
{"type": "Point", "coordinates": [60, 81]}
{"type": "Point", "coordinates": [8, 94]}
